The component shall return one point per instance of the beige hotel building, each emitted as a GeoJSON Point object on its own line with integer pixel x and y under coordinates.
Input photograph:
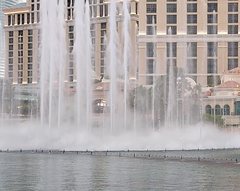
{"type": "Point", "coordinates": [204, 38]}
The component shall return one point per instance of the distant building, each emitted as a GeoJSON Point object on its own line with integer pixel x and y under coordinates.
{"type": "Point", "coordinates": [224, 99]}
{"type": "Point", "coordinates": [201, 36]}
{"type": "Point", "coordinates": [3, 5]}
{"type": "Point", "coordinates": [23, 37]}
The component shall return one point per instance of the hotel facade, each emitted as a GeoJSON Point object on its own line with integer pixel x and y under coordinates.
{"type": "Point", "coordinates": [200, 36]}
{"type": "Point", "coordinates": [4, 4]}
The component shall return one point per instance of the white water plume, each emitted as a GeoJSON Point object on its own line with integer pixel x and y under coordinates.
{"type": "Point", "coordinates": [113, 62]}
{"type": "Point", "coordinates": [27, 135]}
{"type": "Point", "coordinates": [126, 34]}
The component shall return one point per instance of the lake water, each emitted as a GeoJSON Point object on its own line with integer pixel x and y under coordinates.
{"type": "Point", "coordinates": [83, 171]}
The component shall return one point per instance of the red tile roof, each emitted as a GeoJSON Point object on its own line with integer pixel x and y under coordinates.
{"type": "Point", "coordinates": [233, 71]}
{"type": "Point", "coordinates": [229, 84]}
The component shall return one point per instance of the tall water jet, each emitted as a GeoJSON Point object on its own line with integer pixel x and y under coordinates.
{"type": "Point", "coordinates": [171, 104]}
{"type": "Point", "coordinates": [62, 59]}
{"type": "Point", "coordinates": [215, 72]}
{"type": "Point", "coordinates": [88, 50]}
{"type": "Point", "coordinates": [44, 52]}
{"type": "Point", "coordinates": [79, 57]}
{"type": "Point", "coordinates": [113, 63]}
{"type": "Point", "coordinates": [53, 41]}
{"type": "Point", "coordinates": [154, 71]}
{"type": "Point", "coordinates": [126, 34]}
{"type": "Point", "coordinates": [136, 82]}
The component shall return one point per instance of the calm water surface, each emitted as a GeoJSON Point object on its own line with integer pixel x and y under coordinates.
{"type": "Point", "coordinates": [21, 171]}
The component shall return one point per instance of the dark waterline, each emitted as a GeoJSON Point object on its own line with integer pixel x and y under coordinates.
{"type": "Point", "coordinates": [72, 171]}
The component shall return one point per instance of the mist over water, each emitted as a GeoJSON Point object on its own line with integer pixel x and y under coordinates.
{"type": "Point", "coordinates": [29, 135]}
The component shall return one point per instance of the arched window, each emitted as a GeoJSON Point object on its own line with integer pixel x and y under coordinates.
{"type": "Point", "coordinates": [217, 110]}
{"type": "Point", "coordinates": [226, 110]}
{"type": "Point", "coordinates": [208, 109]}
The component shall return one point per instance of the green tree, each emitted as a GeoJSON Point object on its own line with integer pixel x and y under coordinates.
{"type": "Point", "coordinates": [217, 119]}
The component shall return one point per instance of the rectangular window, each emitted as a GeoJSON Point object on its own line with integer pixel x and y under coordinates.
{"type": "Point", "coordinates": [10, 67]}
{"type": "Point", "coordinates": [151, 19]}
{"type": "Point", "coordinates": [150, 49]}
{"type": "Point", "coordinates": [10, 40]}
{"type": "Point", "coordinates": [20, 33]}
{"type": "Point", "coordinates": [171, 8]}
{"type": "Point", "coordinates": [28, 18]}
{"type": "Point", "coordinates": [29, 73]}
{"type": "Point", "coordinates": [20, 74]}
{"type": "Point", "coordinates": [10, 61]}
{"type": "Point", "coordinates": [71, 28]}
{"type": "Point", "coordinates": [10, 47]}
{"type": "Point", "coordinates": [19, 80]}
{"type": "Point", "coordinates": [212, 7]}
{"type": "Point", "coordinates": [191, 18]}
{"type": "Point", "coordinates": [20, 60]}
{"type": "Point", "coordinates": [232, 18]}
{"type": "Point", "coordinates": [23, 19]}
{"type": "Point", "coordinates": [30, 39]}
{"type": "Point", "coordinates": [212, 18]}
{"type": "Point", "coordinates": [232, 49]}
{"type": "Point", "coordinates": [103, 32]}
{"type": "Point", "coordinates": [191, 29]}
{"type": "Point", "coordinates": [192, 7]}
{"type": "Point", "coordinates": [232, 29]}
{"type": "Point", "coordinates": [29, 59]}
{"type": "Point", "coordinates": [106, 10]}
{"type": "Point", "coordinates": [20, 67]}
{"type": "Point", "coordinates": [151, 8]}
{"type": "Point", "coordinates": [171, 30]}
{"type": "Point", "coordinates": [171, 49]}
{"type": "Point", "coordinates": [212, 66]}
{"type": "Point", "coordinates": [150, 66]}
{"type": "Point", "coordinates": [32, 7]}
{"type": "Point", "coordinates": [103, 47]}
{"type": "Point", "coordinates": [18, 19]}
{"type": "Point", "coordinates": [103, 25]}
{"type": "Point", "coordinates": [71, 36]}
{"type": "Point", "coordinates": [30, 32]}
{"type": "Point", "coordinates": [10, 33]}
{"type": "Point", "coordinates": [32, 17]}
{"type": "Point", "coordinates": [171, 19]}
{"type": "Point", "coordinates": [232, 63]}
{"type": "Point", "coordinates": [151, 30]}
{"type": "Point", "coordinates": [101, 10]}
{"type": "Point", "coordinates": [20, 53]}
{"type": "Point", "coordinates": [30, 67]}
{"type": "Point", "coordinates": [20, 46]}
{"type": "Point", "coordinates": [212, 49]}
{"type": "Point", "coordinates": [192, 66]}
{"type": "Point", "coordinates": [30, 53]}
{"type": "Point", "coordinates": [212, 29]}
{"type": "Point", "coordinates": [232, 7]}
{"type": "Point", "coordinates": [192, 49]}
{"type": "Point", "coordinates": [10, 54]}
{"type": "Point", "coordinates": [30, 45]}
{"type": "Point", "coordinates": [29, 80]}
{"type": "Point", "coordinates": [9, 20]}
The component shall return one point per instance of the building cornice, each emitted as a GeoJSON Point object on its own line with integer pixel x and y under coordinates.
{"type": "Point", "coordinates": [190, 38]}
{"type": "Point", "coordinates": [16, 10]}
